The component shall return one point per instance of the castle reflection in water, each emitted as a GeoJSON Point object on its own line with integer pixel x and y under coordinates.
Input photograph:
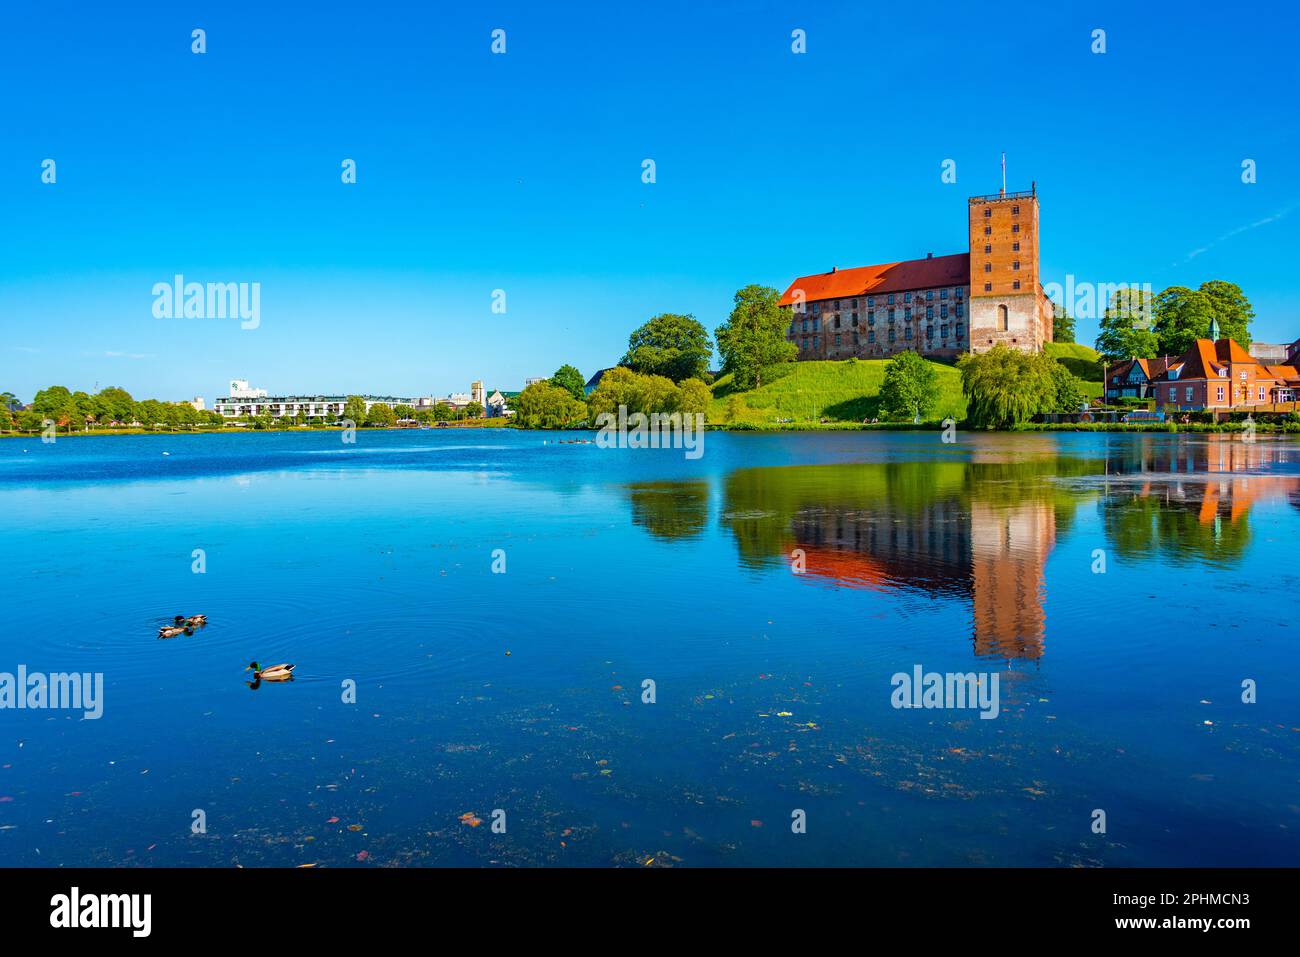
{"type": "Point", "coordinates": [981, 530]}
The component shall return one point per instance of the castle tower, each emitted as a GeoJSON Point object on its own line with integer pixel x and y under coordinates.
{"type": "Point", "coordinates": [1007, 304]}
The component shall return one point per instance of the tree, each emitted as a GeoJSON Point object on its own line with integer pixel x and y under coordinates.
{"type": "Point", "coordinates": [355, 409]}
{"type": "Point", "coordinates": [569, 378]}
{"type": "Point", "coordinates": [546, 406]}
{"type": "Point", "coordinates": [754, 336]}
{"type": "Point", "coordinates": [639, 393]}
{"type": "Point", "coordinates": [381, 415]}
{"type": "Point", "coordinates": [670, 345]}
{"type": "Point", "coordinates": [474, 411]}
{"type": "Point", "coordinates": [693, 396]}
{"type": "Point", "coordinates": [1062, 324]}
{"type": "Point", "coordinates": [1005, 387]}
{"type": "Point", "coordinates": [1126, 327]}
{"type": "Point", "coordinates": [910, 389]}
{"type": "Point", "coordinates": [1067, 396]}
{"type": "Point", "coordinates": [441, 412]}
{"type": "Point", "coordinates": [1231, 308]}
{"type": "Point", "coordinates": [1182, 316]}
{"type": "Point", "coordinates": [404, 411]}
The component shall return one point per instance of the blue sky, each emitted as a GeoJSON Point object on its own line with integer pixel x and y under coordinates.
{"type": "Point", "coordinates": [522, 172]}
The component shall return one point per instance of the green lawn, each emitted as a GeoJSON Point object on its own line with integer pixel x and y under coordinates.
{"type": "Point", "coordinates": [1080, 359]}
{"type": "Point", "coordinates": [841, 391]}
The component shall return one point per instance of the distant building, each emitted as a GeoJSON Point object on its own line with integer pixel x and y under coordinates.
{"type": "Point", "coordinates": [244, 401]}
{"type": "Point", "coordinates": [496, 404]}
{"type": "Point", "coordinates": [1275, 353]}
{"type": "Point", "coordinates": [197, 402]}
{"type": "Point", "coordinates": [941, 306]}
{"type": "Point", "coordinates": [240, 389]}
{"type": "Point", "coordinates": [536, 378]}
{"type": "Point", "coordinates": [1134, 378]}
{"type": "Point", "coordinates": [476, 394]}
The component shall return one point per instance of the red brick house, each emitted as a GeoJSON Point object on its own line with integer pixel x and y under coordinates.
{"type": "Point", "coordinates": [1220, 374]}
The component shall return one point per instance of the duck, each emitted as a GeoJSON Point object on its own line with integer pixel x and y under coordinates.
{"type": "Point", "coordinates": [194, 621]}
{"type": "Point", "coordinates": [171, 631]}
{"type": "Point", "coordinates": [273, 673]}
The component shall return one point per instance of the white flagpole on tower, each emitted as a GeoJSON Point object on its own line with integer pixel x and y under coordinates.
{"type": "Point", "coordinates": [1004, 174]}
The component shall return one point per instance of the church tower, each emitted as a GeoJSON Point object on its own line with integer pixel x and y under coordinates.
{"type": "Point", "coordinates": [1007, 304]}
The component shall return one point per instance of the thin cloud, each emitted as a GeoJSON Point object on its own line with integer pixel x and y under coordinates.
{"type": "Point", "coordinates": [1280, 214]}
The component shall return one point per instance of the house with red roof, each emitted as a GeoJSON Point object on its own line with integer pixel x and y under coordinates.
{"type": "Point", "coordinates": [1218, 374]}
{"type": "Point", "coordinates": [939, 306]}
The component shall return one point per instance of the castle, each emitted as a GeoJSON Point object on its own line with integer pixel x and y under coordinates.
{"type": "Point", "coordinates": [941, 307]}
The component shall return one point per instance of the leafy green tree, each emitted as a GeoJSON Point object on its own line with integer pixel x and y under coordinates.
{"type": "Point", "coordinates": [355, 409]}
{"type": "Point", "coordinates": [1182, 316]}
{"type": "Point", "coordinates": [381, 415]}
{"type": "Point", "coordinates": [441, 412]}
{"type": "Point", "coordinates": [52, 402]}
{"type": "Point", "coordinates": [1062, 324]}
{"type": "Point", "coordinates": [670, 345]}
{"type": "Point", "coordinates": [1067, 397]}
{"type": "Point", "coordinates": [1005, 387]}
{"type": "Point", "coordinates": [474, 411]}
{"type": "Point", "coordinates": [910, 389]}
{"type": "Point", "coordinates": [1126, 327]}
{"type": "Point", "coordinates": [569, 378]}
{"type": "Point", "coordinates": [546, 406]}
{"type": "Point", "coordinates": [693, 396]}
{"type": "Point", "coordinates": [754, 336]}
{"type": "Point", "coordinates": [404, 411]}
{"type": "Point", "coordinates": [639, 393]}
{"type": "Point", "coordinates": [1231, 308]}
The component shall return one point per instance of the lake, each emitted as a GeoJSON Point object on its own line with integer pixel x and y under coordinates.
{"type": "Point", "coordinates": [475, 614]}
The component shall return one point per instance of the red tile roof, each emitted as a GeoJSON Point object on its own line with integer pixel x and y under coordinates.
{"type": "Point", "coordinates": [951, 270]}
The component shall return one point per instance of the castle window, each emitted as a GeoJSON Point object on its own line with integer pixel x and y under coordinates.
{"type": "Point", "coordinates": [1015, 210]}
{"type": "Point", "coordinates": [943, 311]}
{"type": "Point", "coordinates": [1015, 227]}
{"type": "Point", "coordinates": [907, 297]}
{"type": "Point", "coordinates": [988, 248]}
{"type": "Point", "coordinates": [943, 330]}
{"type": "Point", "coordinates": [988, 230]}
{"type": "Point", "coordinates": [961, 330]}
{"type": "Point", "coordinates": [960, 310]}
{"type": "Point", "coordinates": [855, 338]}
{"type": "Point", "coordinates": [960, 292]}
{"type": "Point", "coordinates": [907, 312]}
{"type": "Point", "coordinates": [988, 287]}
{"type": "Point", "coordinates": [854, 320]}
{"type": "Point", "coordinates": [891, 300]}
{"type": "Point", "coordinates": [1015, 284]}
{"type": "Point", "coordinates": [943, 293]}
{"type": "Point", "coordinates": [988, 267]}
{"type": "Point", "coordinates": [891, 313]}
{"type": "Point", "coordinates": [871, 300]}
{"type": "Point", "coordinates": [907, 334]}
{"type": "Point", "coordinates": [871, 336]}
{"type": "Point", "coordinates": [987, 212]}
{"type": "Point", "coordinates": [891, 333]}
{"type": "Point", "coordinates": [1016, 265]}
{"type": "Point", "coordinates": [1004, 318]}
{"type": "Point", "coordinates": [929, 295]}
{"type": "Point", "coordinates": [837, 340]}
{"type": "Point", "coordinates": [837, 322]}
{"type": "Point", "coordinates": [929, 312]}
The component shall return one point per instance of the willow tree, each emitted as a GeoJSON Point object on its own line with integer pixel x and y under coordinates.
{"type": "Point", "coordinates": [1005, 387]}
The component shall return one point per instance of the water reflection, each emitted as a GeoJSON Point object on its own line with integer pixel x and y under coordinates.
{"type": "Point", "coordinates": [980, 530]}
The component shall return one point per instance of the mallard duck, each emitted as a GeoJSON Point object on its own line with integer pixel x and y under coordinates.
{"type": "Point", "coordinates": [273, 673]}
{"type": "Point", "coordinates": [170, 631]}
{"type": "Point", "coordinates": [194, 621]}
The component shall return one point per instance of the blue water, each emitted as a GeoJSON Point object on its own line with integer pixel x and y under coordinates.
{"type": "Point", "coordinates": [1120, 689]}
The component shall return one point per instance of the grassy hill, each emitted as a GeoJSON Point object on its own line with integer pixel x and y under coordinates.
{"type": "Point", "coordinates": [844, 391]}
{"type": "Point", "coordinates": [1084, 362]}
